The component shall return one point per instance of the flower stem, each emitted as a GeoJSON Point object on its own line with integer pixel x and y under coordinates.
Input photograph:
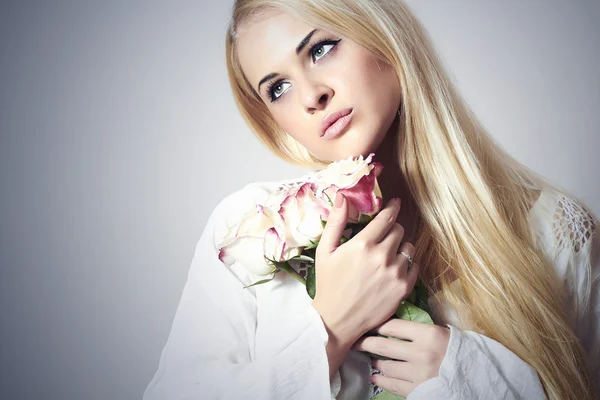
{"type": "Point", "coordinates": [285, 266]}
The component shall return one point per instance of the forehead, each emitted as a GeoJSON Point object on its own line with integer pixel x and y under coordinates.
{"type": "Point", "coordinates": [267, 43]}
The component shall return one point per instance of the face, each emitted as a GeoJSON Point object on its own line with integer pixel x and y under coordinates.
{"type": "Point", "coordinates": [330, 94]}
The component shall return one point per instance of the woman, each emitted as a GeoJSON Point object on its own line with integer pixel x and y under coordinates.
{"type": "Point", "coordinates": [511, 261]}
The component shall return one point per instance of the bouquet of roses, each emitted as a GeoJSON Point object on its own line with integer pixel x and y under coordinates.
{"type": "Point", "coordinates": [285, 231]}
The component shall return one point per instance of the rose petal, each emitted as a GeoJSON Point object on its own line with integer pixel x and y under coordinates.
{"type": "Point", "coordinates": [301, 212]}
{"type": "Point", "coordinates": [249, 252]}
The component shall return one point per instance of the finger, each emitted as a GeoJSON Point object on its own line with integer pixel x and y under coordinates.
{"type": "Point", "coordinates": [396, 386]}
{"type": "Point", "coordinates": [407, 248]}
{"type": "Point", "coordinates": [401, 329]}
{"type": "Point", "coordinates": [382, 346]}
{"type": "Point", "coordinates": [376, 230]}
{"type": "Point", "coordinates": [335, 226]}
{"type": "Point", "coordinates": [395, 369]}
{"type": "Point", "coordinates": [413, 274]}
{"type": "Point", "coordinates": [393, 239]}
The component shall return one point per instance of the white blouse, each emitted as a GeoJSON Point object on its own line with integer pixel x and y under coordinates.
{"type": "Point", "coordinates": [268, 342]}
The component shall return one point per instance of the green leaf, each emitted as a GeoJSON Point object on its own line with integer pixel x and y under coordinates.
{"type": "Point", "coordinates": [311, 286]}
{"type": "Point", "coordinates": [410, 312]}
{"type": "Point", "coordinates": [328, 199]}
{"type": "Point", "coordinates": [312, 245]}
{"type": "Point", "coordinates": [323, 222]}
{"type": "Point", "coordinates": [276, 264]}
{"type": "Point", "coordinates": [261, 282]}
{"type": "Point", "coordinates": [364, 219]}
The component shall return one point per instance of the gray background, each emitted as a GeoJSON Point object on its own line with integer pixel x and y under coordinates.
{"type": "Point", "coordinates": [119, 136]}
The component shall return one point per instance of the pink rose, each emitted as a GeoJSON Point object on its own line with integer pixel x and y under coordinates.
{"type": "Point", "coordinates": [292, 217]}
{"type": "Point", "coordinates": [304, 205]}
{"type": "Point", "coordinates": [356, 179]}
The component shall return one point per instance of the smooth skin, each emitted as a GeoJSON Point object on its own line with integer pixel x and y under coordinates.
{"type": "Point", "coordinates": [372, 277]}
{"type": "Point", "coordinates": [361, 282]}
{"type": "Point", "coordinates": [419, 360]}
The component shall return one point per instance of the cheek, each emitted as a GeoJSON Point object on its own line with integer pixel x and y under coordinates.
{"type": "Point", "coordinates": [293, 127]}
{"type": "Point", "coordinates": [285, 120]}
{"type": "Point", "coordinates": [375, 78]}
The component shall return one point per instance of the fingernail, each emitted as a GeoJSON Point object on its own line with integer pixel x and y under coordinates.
{"type": "Point", "coordinates": [339, 199]}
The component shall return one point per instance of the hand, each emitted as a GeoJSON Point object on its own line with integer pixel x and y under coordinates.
{"type": "Point", "coordinates": [359, 284]}
{"type": "Point", "coordinates": [414, 361]}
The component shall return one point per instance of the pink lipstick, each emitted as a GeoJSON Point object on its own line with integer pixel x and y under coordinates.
{"type": "Point", "coordinates": [335, 123]}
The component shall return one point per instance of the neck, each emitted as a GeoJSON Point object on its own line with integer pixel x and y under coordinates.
{"type": "Point", "coordinates": [393, 183]}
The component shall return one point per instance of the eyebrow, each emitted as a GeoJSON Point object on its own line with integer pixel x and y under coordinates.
{"type": "Point", "coordinates": [299, 48]}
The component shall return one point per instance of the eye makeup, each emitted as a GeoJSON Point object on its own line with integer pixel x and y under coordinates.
{"type": "Point", "coordinates": [315, 57]}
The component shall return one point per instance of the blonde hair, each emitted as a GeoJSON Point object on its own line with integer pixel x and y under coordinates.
{"type": "Point", "coordinates": [473, 198]}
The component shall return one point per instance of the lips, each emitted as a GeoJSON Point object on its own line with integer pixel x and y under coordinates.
{"type": "Point", "coordinates": [331, 119]}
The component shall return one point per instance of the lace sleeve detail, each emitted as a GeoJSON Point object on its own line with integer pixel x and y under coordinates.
{"type": "Point", "coordinates": [574, 228]}
{"type": "Point", "coordinates": [577, 256]}
{"type": "Point", "coordinates": [573, 224]}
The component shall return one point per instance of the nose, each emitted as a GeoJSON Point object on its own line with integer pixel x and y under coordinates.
{"type": "Point", "coordinates": [315, 96]}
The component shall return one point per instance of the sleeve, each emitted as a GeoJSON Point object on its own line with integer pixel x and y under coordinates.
{"type": "Point", "coordinates": [576, 251]}
{"type": "Point", "coordinates": [477, 367]}
{"type": "Point", "coordinates": [209, 353]}
{"type": "Point", "coordinates": [584, 284]}
{"type": "Point", "coordinates": [590, 327]}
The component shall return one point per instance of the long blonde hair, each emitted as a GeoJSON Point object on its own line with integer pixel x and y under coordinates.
{"type": "Point", "coordinates": [473, 198]}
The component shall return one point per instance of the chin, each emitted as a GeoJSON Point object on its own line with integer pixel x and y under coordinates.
{"type": "Point", "coordinates": [355, 153]}
{"type": "Point", "coordinates": [369, 144]}
{"type": "Point", "coordinates": [356, 142]}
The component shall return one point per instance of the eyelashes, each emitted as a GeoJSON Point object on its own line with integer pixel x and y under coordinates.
{"type": "Point", "coordinates": [280, 85]}
{"type": "Point", "coordinates": [321, 44]}
{"type": "Point", "coordinates": [271, 90]}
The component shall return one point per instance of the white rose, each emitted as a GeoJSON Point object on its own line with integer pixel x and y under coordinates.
{"type": "Point", "coordinates": [302, 212]}
{"type": "Point", "coordinates": [258, 235]}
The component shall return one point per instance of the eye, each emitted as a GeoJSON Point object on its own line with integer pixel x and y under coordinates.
{"type": "Point", "coordinates": [276, 89]}
{"type": "Point", "coordinates": [321, 49]}
{"type": "Point", "coordinates": [317, 52]}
